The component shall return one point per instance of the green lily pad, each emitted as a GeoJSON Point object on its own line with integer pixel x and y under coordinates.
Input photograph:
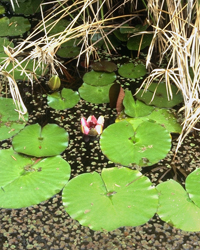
{"type": "Point", "coordinates": [65, 99]}
{"type": "Point", "coordinates": [142, 112]}
{"type": "Point", "coordinates": [105, 66]}
{"type": "Point", "coordinates": [134, 42]}
{"type": "Point", "coordinates": [95, 94]}
{"type": "Point", "coordinates": [40, 142]}
{"type": "Point", "coordinates": [130, 70]}
{"type": "Point", "coordinates": [55, 27]}
{"type": "Point", "coordinates": [160, 99]}
{"type": "Point", "coordinates": [135, 108]}
{"type": "Point", "coordinates": [10, 122]}
{"type": "Point", "coordinates": [4, 42]}
{"type": "Point", "coordinates": [143, 146]}
{"type": "Point", "coordinates": [99, 78]}
{"type": "Point", "coordinates": [28, 7]}
{"type": "Point", "coordinates": [2, 10]}
{"type": "Point", "coordinates": [68, 51]}
{"type": "Point", "coordinates": [14, 26]}
{"type": "Point", "coordinates": [119, 197]}
{"type": "Point", "coordinates": [179, 207]}
{"type": "Point", "coordinates": [26, 181]}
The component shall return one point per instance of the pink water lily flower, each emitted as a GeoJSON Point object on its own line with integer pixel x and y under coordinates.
{"type": "Point", "coordinates": [92, 126]}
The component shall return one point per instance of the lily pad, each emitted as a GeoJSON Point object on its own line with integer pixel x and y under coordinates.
{"type": "Point", "coordinates": [26, 181]}
{"type": "Point", "coordinates": [65, 99]}
{"type": "Point", "coordinates": [134, 42]}
{"type": "Point", "coordinates": [14, 26]}
{"type": "Point", "coordinates": [4, 42]}
{"type": "Point", "coordinates": [160, 99]}
{"type": "Point", "coordinates": [105, 66]}
{"type": "Point", "coordinates": [135, 108]}
{"type": "Point", "coordinates": [40, 142]}
{"type": "Point", "coordinates": [119, 197]}
{"type": "Point", "coordinates": [99, 78]}
{"type": "Point", "coordinates": [10, 122]}
{"type": "Point", "coordinates": [95, 94]}
{"type": "Point", "coordinates": [68, 51]}
{"type": "Point", "coordinates": [143, 146]}
{"type": "Point", "coordinates": [28, 7]}
{"type": "Point", "coordinates": [130, 70]}
{"type": "Point", "coordinates": [179, 207]}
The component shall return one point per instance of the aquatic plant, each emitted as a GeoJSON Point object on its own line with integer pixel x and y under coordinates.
{"type": "Point", "coordinates": [92, 126]}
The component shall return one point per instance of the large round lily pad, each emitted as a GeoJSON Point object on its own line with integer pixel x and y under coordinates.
{"type": "Point", "coordinates": [119, 197]}
{"type": "Point", "coordinates": [160, 99]}
{"type": "Point", "coordinates": [99, 78]}
{"type": "Point", "coordinates": [95, 94]}
{"type": "Point", "coordinates": [27, 181]}
{"type": "Point", "coordinates": [144, 146]}
{"type": "Point", "coordinates": [40, 142]}
{"type": "Point", "coordinates": [179, 207]}
{"type": "Point", "coordinates": [10, 122]}
{"type": "Point", "coordinates": [130, 70]}
{"type": "Point", "coordinates": [65, 99]}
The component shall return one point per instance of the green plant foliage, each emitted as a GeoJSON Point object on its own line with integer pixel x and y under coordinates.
{"type": "Point", "coordinates": [68, 51]}
{"type": "Point", "coordinates": [26, 181]}
{"type": "Point", "coordinates": [130, 70]}
{"type": "Point", "coordinates": [65, 99]}
{"type": "Point", "coordinates": [27, 7]}
{"type": "Point", "coordinates": [142, 112]}
{"type": "Point", "coordinates": [55, 27]}
{"type": "Point", "coordinates": [95, 94]}
{"type": "Point", "coordinates": [40, 142]}
{"type": "Point", "coordinates": [14, 26]}
{"type": "Point", "coordinates": [135, 108]}
{"type": "Point", "coordinates": [105, 66]}
{"type": "Point", "coordinates": [4, 42]}
{"type": "Point", "coordinates": [119, 197]}
{"type": "Point", "coordinates": [99, 78]}
{"type": "Point", "coordinates": [10, 122]}
{"type": "Point", "coordinates": [179, 207]}
{"type": "Point", "coordinates": [134, 42]}
{"type": "Point", "coordinates": [2, 10]}
{"type": "Point", "coordinates": [143, 146]}
{"type": "Point", "coordinates": [160, 99]}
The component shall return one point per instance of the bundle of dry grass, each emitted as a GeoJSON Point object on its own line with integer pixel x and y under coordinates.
{"type": "Point", "coordinates": [177, 41]}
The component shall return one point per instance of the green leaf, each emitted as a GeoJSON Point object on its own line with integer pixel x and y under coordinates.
{"type": "Point", "coordinates": [129, 70]}
{"type": "Point", "coordinates": [40, 142]}
{"type": "Point", "coordinates": [160, 99]}
{"type": "Point", "coordinates": [135, 108]}
{"type": "Point", "coordinates": [14, 26]}
{"type": "Point", "coordinates": [4, 42]}
{"type": "Point", "coordinates": [65, 99]}
{"type": "Point", "coordinates": [119, 197]}
{"type": "Point", "coordinates": [134, 42]}
{"type": "Point", "coordinates": [68, 51]}
{"type": "Point", "coordinates": [175, 205]}
{"type": "Point", "coordinates": [99, 78]}
{"type": "Point", "coordinates": [28, 7]}
{"type": "Point", "coordinates": [105, 66]}
{"type": "Point", "coordinates": [10, 122]}
{"type": "Point", "coordinates": [95, 94]}
{"type": "Point", "coordinates": [143, 146]}
{"type": "Point", "coordinates": [26, 181]}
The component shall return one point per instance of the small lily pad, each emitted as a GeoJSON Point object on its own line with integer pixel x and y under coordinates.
{"type": "Point", "coordinates": [135, 108]}
{"type": "Point", "coordinates": [40, 142]}
{"type": "Point", "coordinates": [160, 99]}
{"type": "Point", "coordinates": [14, 26]}
{"type": "Point", "coordinates": [143, 146]}
{"type": "Point", "coordinates": [10, 122]}
{"type": "Point", "coordinates": [27, 181]}
{"type": "Point", "coordinates": [65, 99]}
{"type": "Point", "coordinates": [105, 66]}
{"type": "Point", "coordinates": [179, 207]}
{"type": "Point", "coordinates": [119, 197]}
{"type": "Point", "coordinates": [130, 70]}
{"type": "Point", "coordinates": [95, 94]}
{"type": "Point", "coordinates": [99, 78]}
{"type": "Point", "coordinates": [68, 51]}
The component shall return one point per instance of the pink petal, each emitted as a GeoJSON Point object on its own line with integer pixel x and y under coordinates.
{"type": "Point", "coordinates": [100, 120]}
{"type": "Point", "coordinates": [92, 119]}
{"type": "Point", "coordinates": [99, 129]}
{"type": "Point", "coordinates": [83, 122]}
{"type": "Point", "coordinates": [85, 130]}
